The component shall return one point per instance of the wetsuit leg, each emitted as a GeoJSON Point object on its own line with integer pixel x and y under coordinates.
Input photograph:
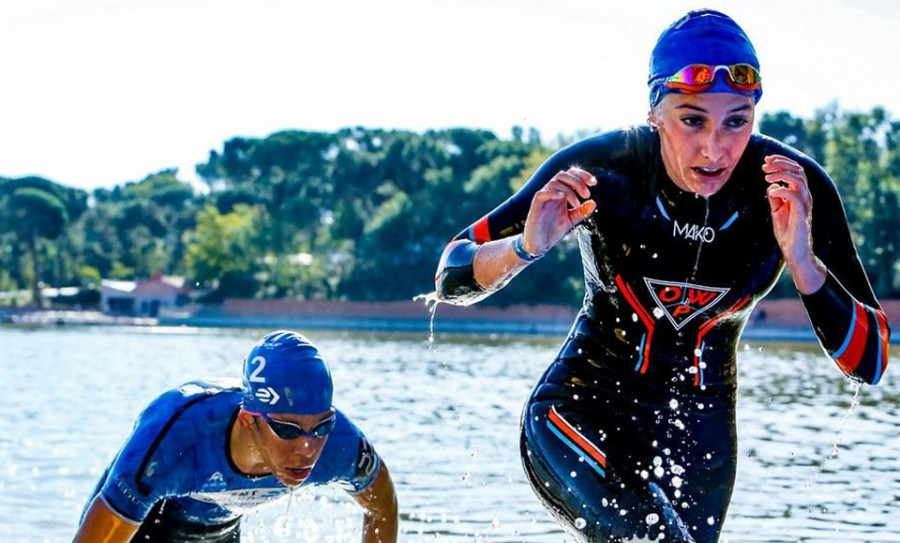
{"type": "Point", "coordinates": [162, 525]}
{"type": "Point", "coordinates": [614, 457]}
{"type": "Point", "coordinates": [589, 496]}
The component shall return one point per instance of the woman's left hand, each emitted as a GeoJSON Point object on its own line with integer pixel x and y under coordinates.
{"type": "Point", "coordinates": [791, 205]}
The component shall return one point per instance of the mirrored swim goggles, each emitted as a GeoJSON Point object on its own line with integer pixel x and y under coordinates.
{"type": "Point", "coordinates": [289, 430]}
{"type": "Point", "coordinates": [700, 78]}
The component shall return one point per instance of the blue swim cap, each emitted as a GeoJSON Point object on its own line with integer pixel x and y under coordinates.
{"type": "Point", "coordinates": [700, 37]}
{"type": "Point", "coordinates": [284, 373]}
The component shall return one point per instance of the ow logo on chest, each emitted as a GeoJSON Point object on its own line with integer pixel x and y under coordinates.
{"type": "Point", "coordinates": [694, 232]}
{"type": "Point", "coordinates": [681, 302]}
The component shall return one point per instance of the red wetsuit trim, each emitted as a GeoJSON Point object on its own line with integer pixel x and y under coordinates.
{"type": "Point", "coordinates": [885, 336]}
{"type": "Point", "coordinates": [644, 315]}
{"type": "Point", "coordinates": [480, 230]}
{"type": "Point", "coordinates": [848, 359]}
{"type": "Point", "coordinates": [589, 448]}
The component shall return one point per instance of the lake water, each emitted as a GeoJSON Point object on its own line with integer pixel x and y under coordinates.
{"type": "Point", "coordinates": [813, 466]}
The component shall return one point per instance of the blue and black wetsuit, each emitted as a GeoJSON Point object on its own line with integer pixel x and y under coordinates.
{"type": "Point", "coordinates": [630, 431]}
{"type": "Point", "coordinates": [175, 474]}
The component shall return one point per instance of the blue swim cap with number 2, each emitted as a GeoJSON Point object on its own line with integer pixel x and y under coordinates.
{"type": "Point", "coordinates": [284, 373]}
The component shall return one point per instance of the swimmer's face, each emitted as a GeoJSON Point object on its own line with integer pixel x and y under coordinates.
{"type": "Point", "coordinates": [702, 137]}
{"type": "Point", "coordinates": [292, 460]}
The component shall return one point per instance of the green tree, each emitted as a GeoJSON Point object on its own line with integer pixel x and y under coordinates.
{"type": "Point", "coordinates": [224, 251]}
{"type": "Point", "coordinates": [36, 214]}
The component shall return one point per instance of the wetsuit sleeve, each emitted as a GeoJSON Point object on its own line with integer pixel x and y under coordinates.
{"type": "Point", "coordinates": [127, 489]}
{"type": "Point", "coordinates": [348, 458]}
{"type": "Point", "coordinates": [848, 320]}
{"type": "Point", "coordinates": [455, 279]}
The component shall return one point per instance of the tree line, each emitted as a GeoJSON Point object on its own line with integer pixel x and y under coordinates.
{"type": "Point", "coordinates": [363, 214]}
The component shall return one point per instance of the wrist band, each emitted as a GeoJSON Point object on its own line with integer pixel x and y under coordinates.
{"type": "Point", "coordinates": [519, 249]}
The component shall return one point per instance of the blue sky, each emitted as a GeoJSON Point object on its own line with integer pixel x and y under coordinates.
{"type": "Point", "coordinates": [95, 93]}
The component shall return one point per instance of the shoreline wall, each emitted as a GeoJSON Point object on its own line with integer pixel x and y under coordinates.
{"type": "Point", "coordinates": [771, 319]}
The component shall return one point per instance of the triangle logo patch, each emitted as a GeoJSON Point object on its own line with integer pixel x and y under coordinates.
{"type": "Point", "coordinates": [681, 302]}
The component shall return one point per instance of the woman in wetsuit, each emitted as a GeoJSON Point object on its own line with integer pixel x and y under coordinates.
{"type": "Point", "coordinates": [683, 226]}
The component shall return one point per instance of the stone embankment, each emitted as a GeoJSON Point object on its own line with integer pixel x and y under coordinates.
{"type": "Point", "coordinates": [771, 320]}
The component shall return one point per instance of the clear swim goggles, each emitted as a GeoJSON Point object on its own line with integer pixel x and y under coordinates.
{"type": "Point", "coordinates": [700, 78]}
{"type": "Point", "coordinates": [289, 430]}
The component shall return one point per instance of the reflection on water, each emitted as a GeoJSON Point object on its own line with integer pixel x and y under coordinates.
{"type": "Point", "coordinates": [814, 467]}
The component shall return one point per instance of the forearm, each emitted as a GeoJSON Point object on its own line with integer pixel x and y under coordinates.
{"type": "Point", "coordinates": [380, 527]}
{"type": "Point", "coordinates": [496, 263]}
{"type": "Point", "coordinates": [380, 504]}
{"type": "Point", "coordinates": [102, 525]}
{"type": "Point", "coordinates": [470, 272]}
{"type": "Point", "coordinates": [809, 275]}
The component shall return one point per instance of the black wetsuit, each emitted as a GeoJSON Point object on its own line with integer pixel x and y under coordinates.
{"type": "Point", "coordinates": [630, 431]}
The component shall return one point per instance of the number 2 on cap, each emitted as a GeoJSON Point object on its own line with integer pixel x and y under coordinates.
{"type": "Point", "coordinates": [255, 377]}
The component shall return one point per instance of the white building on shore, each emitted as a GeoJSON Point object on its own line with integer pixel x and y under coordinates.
{"type": "Point", "coordinates": [142, 298]}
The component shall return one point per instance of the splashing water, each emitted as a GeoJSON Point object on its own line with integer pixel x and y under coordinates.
{"type": "Point", "coordinates": [431, 302]}
{"type": "Point", "coordinates": [839, 428]}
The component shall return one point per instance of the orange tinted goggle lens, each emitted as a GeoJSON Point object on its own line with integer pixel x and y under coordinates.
{"type": "Point", "coordinates": [700, 77]}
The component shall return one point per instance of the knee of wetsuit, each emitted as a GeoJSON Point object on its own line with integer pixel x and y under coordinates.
{"type": "Point", "coordinates": [456, 280]}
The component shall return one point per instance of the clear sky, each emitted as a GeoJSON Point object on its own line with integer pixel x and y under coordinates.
{"type": "Point", "coordinates": [94, 93]}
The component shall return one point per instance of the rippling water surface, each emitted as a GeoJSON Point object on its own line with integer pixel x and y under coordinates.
{"type": "Point", "coordinates": [819, 459]}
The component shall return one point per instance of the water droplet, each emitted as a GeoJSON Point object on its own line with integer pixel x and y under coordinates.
{"type": "Point", "coordinates": [573, 474]}
{"type": "Point", "coordinates": [673, 403]}
{"type": "Point", "coordinates": [657, 461]}
{"type": "Point", "coordinates": [659, 472]}
{"type": "Point", "coordinates": [652, 519]}
{"type": "Point", "coordinates": [574, 396]}
{"type": "Point", "coordinates": [676, 482]}
{"type": "Point", "coordinates": [580, 523]}
{"type": "Point", "coordinates": [710, 521]}
{"type": "Point", "coordinates": [644, 474]}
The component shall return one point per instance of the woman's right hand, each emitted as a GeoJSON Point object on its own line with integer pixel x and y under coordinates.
{"type": "Point", "coordinates": [557, 208]}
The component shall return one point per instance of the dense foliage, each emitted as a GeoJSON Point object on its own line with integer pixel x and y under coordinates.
{"type": "Point", "coordinates": [363, 214]}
